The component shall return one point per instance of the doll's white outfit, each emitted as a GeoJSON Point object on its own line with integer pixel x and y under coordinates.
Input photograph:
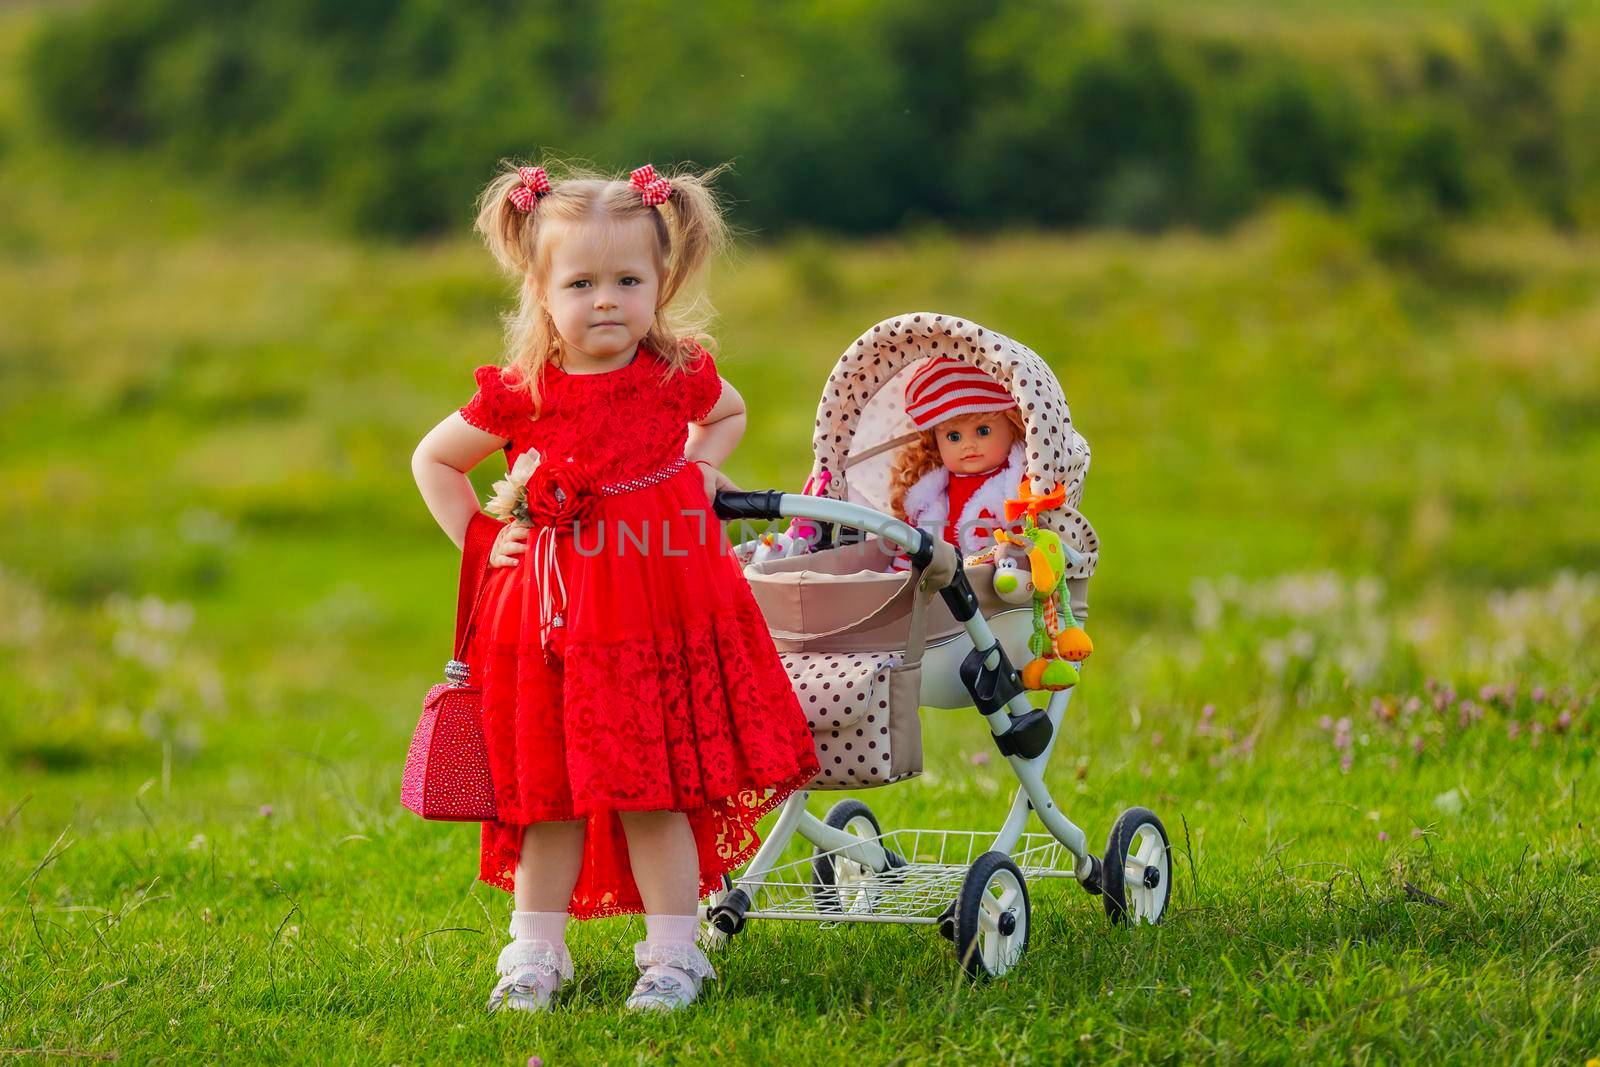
{"type": "Point", "coordinates": [979, 502]}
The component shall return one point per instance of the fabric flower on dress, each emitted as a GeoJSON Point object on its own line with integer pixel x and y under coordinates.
{"type": "Point", "coordinates": [559, 494]}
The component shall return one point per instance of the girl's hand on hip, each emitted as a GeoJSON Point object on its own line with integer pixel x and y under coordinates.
{"type": "Point", "coordinates": [509, 543]}
{"type": "Point", "coordinates": [714, 480]}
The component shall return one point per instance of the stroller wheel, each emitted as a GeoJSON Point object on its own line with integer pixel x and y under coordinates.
{"type": "Point", "coordinates": [947, 922]}
{"type": "Point", "coordinates": [1136, 873]}
{"type": "Point", "coordinates": [843, 885]}
{"type": "Point", "coordinates": [992, 917]}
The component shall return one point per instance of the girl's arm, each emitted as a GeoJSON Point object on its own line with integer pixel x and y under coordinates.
{"type": "Point", "coordinates": [714, 437]}
{"type": "Point", "coordinates": [440, 466]}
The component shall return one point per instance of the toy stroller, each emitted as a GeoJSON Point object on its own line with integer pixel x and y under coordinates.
{"type": "Point", "coordinates": [866, 646]}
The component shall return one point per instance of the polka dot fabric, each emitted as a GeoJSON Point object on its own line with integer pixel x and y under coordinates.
{"type": "Point", "coordinates": [1055, 453]}
{"type": "Point", "coordinates": [863, 712]}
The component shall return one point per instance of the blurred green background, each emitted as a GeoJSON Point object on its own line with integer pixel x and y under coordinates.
{"type": "Point", "coordinates": [1320, 279]}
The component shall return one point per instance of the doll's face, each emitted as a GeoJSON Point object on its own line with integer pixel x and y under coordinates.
{"type": "Point", "coordinates": [975, 444]}
{"type": "Point", "coordinates": [602, 287]}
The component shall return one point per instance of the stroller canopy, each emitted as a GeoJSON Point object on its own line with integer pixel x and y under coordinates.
{"type": "Point", "coordinates": [862, 422]}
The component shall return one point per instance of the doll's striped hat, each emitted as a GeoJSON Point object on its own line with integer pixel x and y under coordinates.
{"type": "Point", "coordinates": [944, 388]}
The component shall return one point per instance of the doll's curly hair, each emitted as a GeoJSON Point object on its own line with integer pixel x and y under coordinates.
{"type": "Point", "coordinates": [917, 458]}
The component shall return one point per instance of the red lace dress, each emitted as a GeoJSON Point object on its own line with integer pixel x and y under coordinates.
{"type": "Point", "coordinates": [668, 693]}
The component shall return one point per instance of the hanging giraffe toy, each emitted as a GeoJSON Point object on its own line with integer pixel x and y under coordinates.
{"type": "Point", "coordinates": [1057, 650]}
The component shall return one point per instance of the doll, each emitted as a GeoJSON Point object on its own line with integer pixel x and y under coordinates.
{"type": "Point", "coordinates": [955, 478]}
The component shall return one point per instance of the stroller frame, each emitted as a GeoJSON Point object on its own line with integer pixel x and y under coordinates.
{"type": "Point", "coordinates": [976, 896]}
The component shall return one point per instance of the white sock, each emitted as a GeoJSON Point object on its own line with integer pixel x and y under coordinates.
{"type": "Point", "coordinates": [548, 926]}
{"type": "Point", "coordinates": [673, 930]}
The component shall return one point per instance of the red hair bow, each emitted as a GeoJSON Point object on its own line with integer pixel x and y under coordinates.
{"type": "Point", "coordinates": [535, 183]}
{"type": "Point", "coordinates": [653, 190]}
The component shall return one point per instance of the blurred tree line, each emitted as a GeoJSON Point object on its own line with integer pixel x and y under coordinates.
{"type": "Point", "coordinates": [841, 115]}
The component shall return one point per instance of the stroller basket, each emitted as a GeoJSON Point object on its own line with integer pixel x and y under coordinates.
{"type": "Point", "coordinates": [832, 887]}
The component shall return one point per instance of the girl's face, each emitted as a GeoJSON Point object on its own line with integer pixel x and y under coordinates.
{"type": "Point", "coordinates": [602, 288]}
{"type": "Point", "coordinates": [974, 444]}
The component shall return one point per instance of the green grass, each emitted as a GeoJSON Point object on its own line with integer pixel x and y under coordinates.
{"type": "Point", "coordinates": [178, 922]}
{"type": "Point", "coordinates": [212, 403]}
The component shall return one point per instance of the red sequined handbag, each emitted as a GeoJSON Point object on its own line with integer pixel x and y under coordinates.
{"type": "Point", "coordinates": [447, 768]}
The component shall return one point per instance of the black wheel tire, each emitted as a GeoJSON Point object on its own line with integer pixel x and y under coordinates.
{"type": "Point", "coordinates": [969, 904]}
{"type": "Point", "coordinates": [822, 873]}
{"type": "Point", "coordinates": [713, 937]}
{"type": "Point", "coordinates": [947, 922]}
{"type": "Point", "coordinates": [1114, 892]}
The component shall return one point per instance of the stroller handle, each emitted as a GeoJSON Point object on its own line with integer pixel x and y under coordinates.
{"type": "Point", "coordinates": [760, 504]}
{"type": "Point", "coordinates": [772, 504]}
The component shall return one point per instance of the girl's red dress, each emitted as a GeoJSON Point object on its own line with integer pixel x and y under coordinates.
{"type": "Point", "coordinates": [669, 693]}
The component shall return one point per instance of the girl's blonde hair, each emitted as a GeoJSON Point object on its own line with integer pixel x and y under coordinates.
{"type": "Point", "coordinates": [922, 455]}
{"type": "Point", "coordinates": [689, 230]}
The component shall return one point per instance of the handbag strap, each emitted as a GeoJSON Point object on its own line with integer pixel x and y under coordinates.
{"type": "Point", "coordinates": [475, 548]}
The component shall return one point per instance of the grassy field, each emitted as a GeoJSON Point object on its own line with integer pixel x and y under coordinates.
{"type": "Point", "coordinates": [1345, 623]}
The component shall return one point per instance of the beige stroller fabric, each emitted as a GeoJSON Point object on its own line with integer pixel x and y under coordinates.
{"type": "Point", "coordinates": [840, 623]}
{"type": "Point", "coordinates": [842, 600]}
{"type": "Point", "coordinates": [861, 421]}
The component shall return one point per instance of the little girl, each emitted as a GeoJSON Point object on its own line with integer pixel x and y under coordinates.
{"type": "Point", "coordinates": [955, 479]}
{"type": "Point", "coordinates": [638, 720]}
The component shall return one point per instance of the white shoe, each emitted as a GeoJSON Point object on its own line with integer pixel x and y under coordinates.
{"type": "Point", "coordinates": [669, 976]}
{"type": "Point", "coordinates": [531, 972]}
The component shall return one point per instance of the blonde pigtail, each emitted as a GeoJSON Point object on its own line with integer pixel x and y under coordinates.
{"type": "Point", "coordinates": [697, 228]}
{"type": "Point", "coordinates": [506, 230]}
